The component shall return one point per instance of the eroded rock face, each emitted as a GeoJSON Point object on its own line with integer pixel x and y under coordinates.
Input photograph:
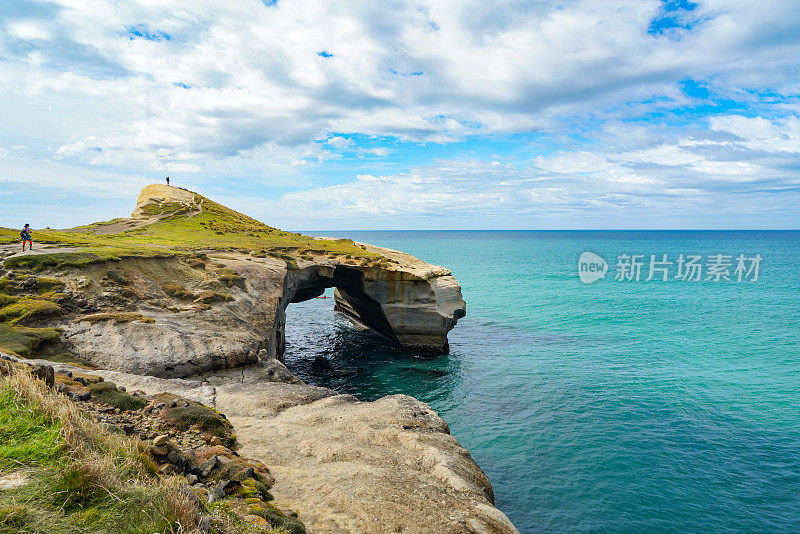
{"type": "Point", "coordinates": [410, 302]}
{"type": "Point", "coordinates": [153, 198]}
{"type": "Point", "coordinates": [160, 319]}
{"type": "Point", "coordinates": [178, 335]}
{"type": "Point", "coordinates": [384, 466]}
{"type": "Point", "coordinates": [421, 302]}
{"type": "Point", "coordinates": [415, 312]}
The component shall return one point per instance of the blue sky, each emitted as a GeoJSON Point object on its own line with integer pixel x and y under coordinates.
{"type": "Point", "coordinates": [406, 114]}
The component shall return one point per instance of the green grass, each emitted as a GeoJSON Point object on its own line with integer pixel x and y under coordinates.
{"type": "Point", "coordinates": [223, 518]}
{"type": "Point", "coordinates": [91, 255]}
{"type": "Point", "coordinates": [275, 518]}
{"type": "Point", "coordinates": [212, 297]}
{"type": "Point", "coordinates": [28, 309]}
{"type": "Point", "coordinates": [24, 341]}
{"type": "Point", "coordinates": [27, 437]}
{"type": "Point", "coordinates": [46, 285]}
{"type": "Point", "coordinates": [7, 285]}
{"type": "Point", "coordinates": [219, 227]}
{"type": "Point", "coordinates": [80, 479]}
{"type": "Point", "coordinates": [108, 393]}
{"type": "Point", "coordinates": [77, 478]}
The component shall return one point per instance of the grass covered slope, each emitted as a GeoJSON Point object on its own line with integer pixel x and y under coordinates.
{"type": "Point", "coordinates": [61, 473]}
{"type": "Point", "coordinates": [19, 307]}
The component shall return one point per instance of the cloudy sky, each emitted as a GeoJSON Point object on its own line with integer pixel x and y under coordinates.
{"type": "Point", "coordinates": [439, 114]}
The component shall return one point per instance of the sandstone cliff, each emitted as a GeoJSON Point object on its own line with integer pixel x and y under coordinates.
{"type": "Point", "coordinates": [189, 297]}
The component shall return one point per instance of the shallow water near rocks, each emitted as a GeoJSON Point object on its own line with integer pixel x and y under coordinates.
{"type": "Point", "coordinates": [611, 407]}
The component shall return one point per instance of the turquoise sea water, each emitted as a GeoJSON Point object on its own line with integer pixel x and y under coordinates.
{"type": "Point", "coordinates": [611, 407]}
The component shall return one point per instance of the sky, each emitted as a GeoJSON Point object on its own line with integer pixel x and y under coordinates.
{"type": "Point", "coordinates": [427, 114]}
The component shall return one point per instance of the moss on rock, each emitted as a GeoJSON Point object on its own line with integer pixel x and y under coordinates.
{"type": "Point", "coordinates": [211, 297]}
{"type": "Point", "coordinates": [177, 291]}
{"type": "Point", "coordinates": [108, 393]}
{"type": "Point", "coordinates": [122, 317]}
{"type": "Point", "coordinates": [198, 416]}
{"type": "Point", "coordinates": [24, 341]}
{"type": "Point", "coordinates": [28, 309]}
{"type": "Point", "coordinates": [45, 285]}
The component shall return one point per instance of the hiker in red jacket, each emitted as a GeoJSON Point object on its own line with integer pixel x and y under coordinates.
{"type": "Point", "coordinates": [25, 234]}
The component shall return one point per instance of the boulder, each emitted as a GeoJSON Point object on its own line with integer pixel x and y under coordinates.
{"type": "Point", "coordinates": [44, 373]}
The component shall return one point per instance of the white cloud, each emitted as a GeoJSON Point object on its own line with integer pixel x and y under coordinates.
{"type": "Point", "coordinates": [758, 133]}
{"type": "Point", "coordinates": [340, 143]}
{"type": "Point", "coordinates": [220, 79]}
{"type": "Point", "coordinates": [239, 90]}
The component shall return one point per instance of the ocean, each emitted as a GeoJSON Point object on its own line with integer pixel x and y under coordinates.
{"type": "Point", "coordinates": [615, 406]}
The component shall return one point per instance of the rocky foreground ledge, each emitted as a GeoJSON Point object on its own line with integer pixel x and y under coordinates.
{"type": "Point", "coordinates": [187, 297]}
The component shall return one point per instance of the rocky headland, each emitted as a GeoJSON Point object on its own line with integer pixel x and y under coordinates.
{"type": "Point", "coordinates": [187, 298]}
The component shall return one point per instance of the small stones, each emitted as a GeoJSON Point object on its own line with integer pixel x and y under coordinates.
{"type": "Point", "coordinates": [166, 469]}
{"type": "Point", "coordinates": [213, 471]}
{"type": "Point", "coordinates": [81, 396]}
{"type": "Point", "coordinates": [83, 282]}
{"type": "Point", "coordinates": [159, 450]}
{"type": "Point", "coordinates": [175, 458]}
{"type": "Point", "coordinates": [209, 466]}
{"type": "Point", "coordinates": [223, 489]}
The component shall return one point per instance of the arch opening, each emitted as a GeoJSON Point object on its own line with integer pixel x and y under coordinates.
{"type": "Point", "coordinates": [351, 299]}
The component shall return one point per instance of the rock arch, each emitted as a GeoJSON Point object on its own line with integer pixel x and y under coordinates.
{"type": "Point", "coordinates": [413, 310]}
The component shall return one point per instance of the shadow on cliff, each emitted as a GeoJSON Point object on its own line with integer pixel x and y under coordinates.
{"type": "Point", "coordinates": [324, 349]}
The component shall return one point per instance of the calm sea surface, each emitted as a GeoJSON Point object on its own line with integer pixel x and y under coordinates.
{"type": "Point", "coordinates": [619, 406]}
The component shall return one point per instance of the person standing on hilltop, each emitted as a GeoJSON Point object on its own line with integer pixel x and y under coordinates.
{"type": "Point", "coordinates": [25, 234]}
{"type": "Point", "coordinates": [167, 180]}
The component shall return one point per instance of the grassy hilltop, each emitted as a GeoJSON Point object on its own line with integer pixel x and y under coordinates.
{"type": "Point", "coordinates": [176, 221]}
